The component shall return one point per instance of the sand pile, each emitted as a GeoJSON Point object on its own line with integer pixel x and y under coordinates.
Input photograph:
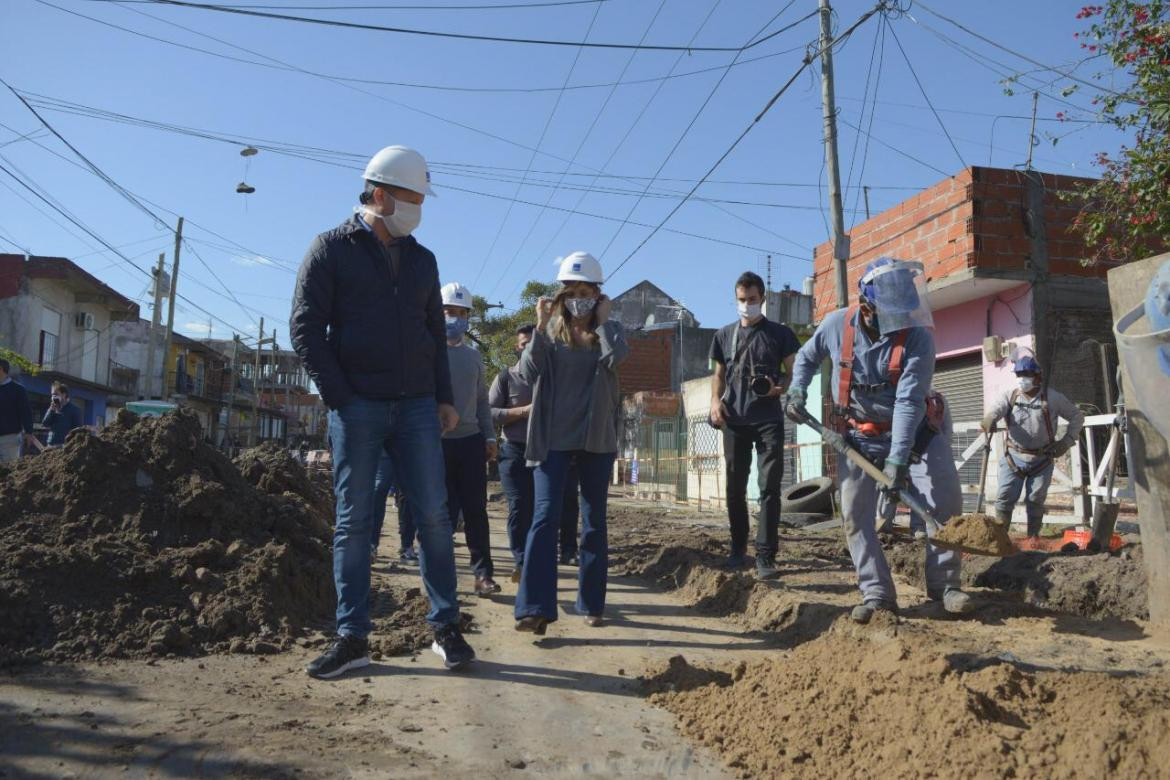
{"type": "Point", "coordinates": [146, 541]}
{"type": "Point", "coordinates": [978, 534]}
{"type": "Point", "coordinates": [845, 705]}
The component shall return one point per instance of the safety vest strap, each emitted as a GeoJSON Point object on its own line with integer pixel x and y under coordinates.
{"type": "Point", "coordinates": [845, 377]}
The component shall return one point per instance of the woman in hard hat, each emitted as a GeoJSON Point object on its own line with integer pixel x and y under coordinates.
{"type": "Point", "coordinates": [571, 363]}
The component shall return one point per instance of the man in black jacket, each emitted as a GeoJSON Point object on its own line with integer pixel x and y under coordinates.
{"type": "Point", "coordinates": [16, 421]}
{"type": "Point", "coordinates": [368, 322]}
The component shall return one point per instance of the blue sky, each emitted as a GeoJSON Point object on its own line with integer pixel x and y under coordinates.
{"type": "Point", "coordinates": [488, 230]}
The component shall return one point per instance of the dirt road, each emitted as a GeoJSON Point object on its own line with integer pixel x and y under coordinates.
{"type": "Point", "coordinates": [568, 704]}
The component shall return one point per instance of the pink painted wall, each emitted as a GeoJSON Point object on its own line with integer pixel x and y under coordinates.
{"type": "Point", "coordinates": [960, 330]}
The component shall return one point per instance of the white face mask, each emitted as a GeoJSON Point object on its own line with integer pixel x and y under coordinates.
{"type": "Point", "coordinates": [749, 310]}
{"type": "Point", "coordinates": [580, 307]}
{"type": "Point", "coordinates": [404, 221]}
{"type": "Point", "coordinates": [1027, 383]}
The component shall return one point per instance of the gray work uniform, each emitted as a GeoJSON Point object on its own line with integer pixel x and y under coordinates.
{"type": "Point", "coordinates": [1026, 466]}
{"type": "Point", "coordinates": [873, 399]}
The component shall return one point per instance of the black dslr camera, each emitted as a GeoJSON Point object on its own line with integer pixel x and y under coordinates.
{"type": "Point", "coordinates": [761, 384]}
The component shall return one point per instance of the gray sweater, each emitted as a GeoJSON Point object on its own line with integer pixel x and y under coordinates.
{"type": "Point", "coordinates": [470, 390]}
{"type": "Point", "coordinates": [509, 390]}
{"type": "Point", "coordinates": [538, 368]}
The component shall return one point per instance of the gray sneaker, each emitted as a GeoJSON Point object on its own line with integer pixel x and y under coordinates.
{"type": "Point", "coordinates": [864, 612]}
{"type": "Point", "coordinates": [956, 602]}
{"type": "Point", "coordinates": [766, 568]}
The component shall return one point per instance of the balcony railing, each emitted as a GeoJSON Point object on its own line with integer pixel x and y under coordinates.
{"type": "Point", "coordinates": [123, 378]}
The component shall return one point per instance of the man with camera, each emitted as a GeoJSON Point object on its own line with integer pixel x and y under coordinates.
{"type": "Point", "coordinates": [62, 416]}
{"type": "Point", "coordinates": [746, 405]}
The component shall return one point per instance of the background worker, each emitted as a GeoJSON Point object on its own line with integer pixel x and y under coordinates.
{"type": "Point", "coordinates": [1032, 413]}
{"type": "Point", "coordinates": [753, 362]}
{"type": "Point", "coordinates": [472, 443]}
{"type": "Point", "coordinates": [384, 487]}
{"type": "Point", "coordinates": [367, 320]}
{"type": "Point", "coordinates": [882, 353]}
{"type": "Point", "coordinates": [510, 398]}
{"type": "Point", "coordinates": [571, 364]}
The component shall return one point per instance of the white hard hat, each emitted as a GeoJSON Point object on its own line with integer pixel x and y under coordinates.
{"type": "Point", "coordinates": [399, 166]}
{"type": "Point", "coordinates": [455, 294]}
{"type": "Point", "coordinates": [580, 267]}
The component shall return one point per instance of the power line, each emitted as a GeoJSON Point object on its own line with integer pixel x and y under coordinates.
{"type": "Point", "coordinates": [536, 150]}
{"type": "Point", "coordinates": [580, 145]}
{"type": "Point", "coordinates": [879, 33]}
{"type": "Point", "coordinates": [453, 35]}
{"type": "Point", "coordinates": [686, 131]}
{"type": "Point", "coordinates": [895, 149]}
{"type": "Point", "coordinates": [767, 107]}
{"type": "Point", "coordinates": [110, 246]}
{"type": "Point", "coordinates": [925, 97]}
{"type": "Point", "coordinates": [501, 7]}
{"type": "Point", "coordinates": [366, 81]}
{"type": "Point", "coordinates": [1015, 53]}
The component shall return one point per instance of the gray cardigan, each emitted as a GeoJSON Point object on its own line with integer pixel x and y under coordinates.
{"type": "Point", "coordinates": [536, 367]}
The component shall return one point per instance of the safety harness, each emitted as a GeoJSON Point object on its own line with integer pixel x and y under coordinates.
{"type": "Point", "coordinates": [1042, 463]}
{"type": "Point", "coordinates": [935, 404]}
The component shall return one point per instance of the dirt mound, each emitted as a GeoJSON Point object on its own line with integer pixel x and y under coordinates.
{"type": "Point", "coordinates": [274, 470]}
{"type": "Point", "coordinates": [908, 706]}
{"type": "Point", "coordinates": [1094, 586]}
{"type": "Point", "coordinates": [978, 533]}
{"type": "Point", "coordinates": [147, 541]}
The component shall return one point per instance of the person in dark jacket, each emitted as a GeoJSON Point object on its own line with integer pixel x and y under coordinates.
{"type": "Point", "coordinates": [62, 416]}
{"type": "Point", "coordinates": [16, 421]}
{"type": "Point", "coordinates": [367, 321]}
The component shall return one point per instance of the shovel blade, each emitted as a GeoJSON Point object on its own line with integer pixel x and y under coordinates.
{"type": "Point", "coordinates": [1104, 522]}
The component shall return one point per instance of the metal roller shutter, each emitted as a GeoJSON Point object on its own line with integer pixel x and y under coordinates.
{"type": "Point", "coordinates": [960, 380]}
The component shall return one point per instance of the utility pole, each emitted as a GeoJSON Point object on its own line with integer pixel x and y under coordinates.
{"type": "Point", "coordinates": [260, 342]}
{"type": "Point", "coordinates": [155, 317]}
{"type": "Point", "coordinates": [165, 394]}
{"type": "Point", "coordinates": [1032, 131]}
{"type": "Point", "coordinates": [769, 287]}
{"type": "Point", "coordinates": [865, 192]}
{"type": "Point", "coordinates": [235, 377]}
{"type": "Point", "coordinates": [840, 240]}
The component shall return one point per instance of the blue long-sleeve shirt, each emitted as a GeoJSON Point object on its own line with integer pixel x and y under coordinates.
{"type": "Point", "coordinates": [872, 397]}
{"type": "Point", "coordinates": [15, 411]}
{"type": "Point", "coordinates": [61, 423]}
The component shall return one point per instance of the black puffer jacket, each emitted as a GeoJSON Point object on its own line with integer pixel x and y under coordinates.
{"type": "Point", "coordinates": [362, 332]}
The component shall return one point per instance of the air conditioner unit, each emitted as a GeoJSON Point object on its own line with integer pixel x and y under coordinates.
{"type": "Point", "coordinates": [83, 320]}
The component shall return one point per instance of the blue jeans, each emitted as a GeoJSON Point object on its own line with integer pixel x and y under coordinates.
{"type": "Point", "coordinates": [409, 430]}
{"type": "Point", "coordinates": [384, 484]}
{"type": "Point", "coordinates": [1034, 487]}
{"type": "Point", "coordinates": [570, 511]}
{"type": "Point", "coordinates": [935, 480]}
{"type": "Point", "coordinates": [516, 479]}
{"type": "Point", "coordinates": [537, 595]}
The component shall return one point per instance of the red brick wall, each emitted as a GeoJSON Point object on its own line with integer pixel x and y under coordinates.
{"type": "Point", "coordinates": [648, 366]}
{"type": "Point", "coordinates": [975, 218]}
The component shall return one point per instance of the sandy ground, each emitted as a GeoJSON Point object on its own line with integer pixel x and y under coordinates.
{"type": "Point", "coordinates": [570, 703]}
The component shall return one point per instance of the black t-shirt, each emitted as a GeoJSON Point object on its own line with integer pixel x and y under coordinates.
{"type": "Point", "coordinates": [760, 354]}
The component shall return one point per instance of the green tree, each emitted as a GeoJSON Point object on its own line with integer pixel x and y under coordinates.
{"type": "Point", "coordinates": [17, 360]}
{"type": "Point", "coordinates": [495, 331]}
{"type": "Point", "coordinates": [1126, 213]}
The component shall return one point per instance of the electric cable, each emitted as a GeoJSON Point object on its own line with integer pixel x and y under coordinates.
{"type": "Point", "coordinates": [925, 97]}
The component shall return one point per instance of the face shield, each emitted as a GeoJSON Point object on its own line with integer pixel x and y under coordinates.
{"type": "Point", "coordinates": [897, 292]}
{"type": "Point", "coordinates": [1146, 354]}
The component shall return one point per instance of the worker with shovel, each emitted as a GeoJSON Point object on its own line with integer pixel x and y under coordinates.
{"type": "Point", "coordinates": [882, 352]}
{"type": "Point", "coordinates": [1031, 411]}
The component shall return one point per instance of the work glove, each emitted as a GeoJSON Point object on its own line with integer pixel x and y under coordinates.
{"type": "Point", "coordinates": [988, 423]}
{"type": "Point", "coordinates": [1060, 447]}
{"type": "Point", "coordinates": [898, 474]}
{"type": "Point", "coordinates": [835, 440]}
{"type": "Point", "coordinates": [794, 404]}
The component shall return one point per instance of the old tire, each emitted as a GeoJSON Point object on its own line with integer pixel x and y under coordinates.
{"type": "Point", "coordinates": [813, 496]}
{"type": "Point", "coordinates": [801, 519]}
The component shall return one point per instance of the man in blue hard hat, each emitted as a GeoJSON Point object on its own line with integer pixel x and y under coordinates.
{"type": "Point", "coordinates": [882, 353]}
{"type": "Point", "coordinates": [1031, 411]}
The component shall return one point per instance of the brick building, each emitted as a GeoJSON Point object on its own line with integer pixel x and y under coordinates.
{"type": "Point", "coordinates": [1005, 278]}
{"type": "Point", "coordinates": [1002, 261]}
